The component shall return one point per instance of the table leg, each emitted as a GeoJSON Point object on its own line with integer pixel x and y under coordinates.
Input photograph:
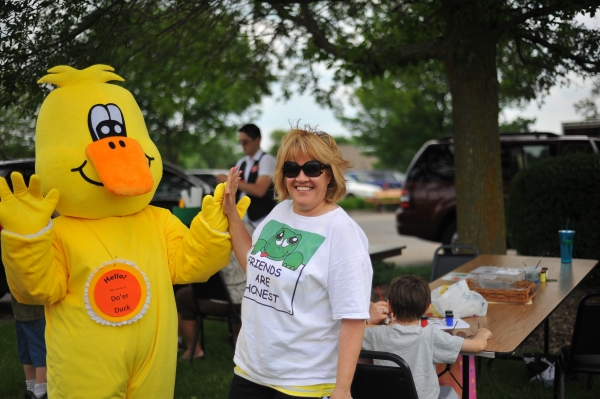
{"type": "Point", "coordinates": [465, 377]}
{"type": "Point", "coordinates": [547, 336]}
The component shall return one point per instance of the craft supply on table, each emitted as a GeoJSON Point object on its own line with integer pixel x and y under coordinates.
{"type": "Point", "coordinates": [543, 276]}
{"type": "Point", "coordinates": [518, 272]}
{"type": "Point", "coordinates": [449, 318]}
{"type": "Point", "coordinates": [424, 321]}
{"type": "Point", "coordinates": [523, 292]}
{"type": "Point", "coordinates": [455, 276]}
{"type": "Point", "coordinates": [440, 322]}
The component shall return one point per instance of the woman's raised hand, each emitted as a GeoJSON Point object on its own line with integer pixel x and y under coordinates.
{"type": "Point", "coordinates": [230, 208]}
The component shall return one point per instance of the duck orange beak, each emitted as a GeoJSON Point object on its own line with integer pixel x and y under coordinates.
{"type": "Point", "coordinates": [121, 165]}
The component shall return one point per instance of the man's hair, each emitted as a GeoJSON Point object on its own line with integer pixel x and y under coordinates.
{"type": "Point", "coordinates": [251, 130]}
{"type": "Point", "coordinates": [409, 298]}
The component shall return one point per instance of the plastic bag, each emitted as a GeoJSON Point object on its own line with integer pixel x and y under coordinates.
{"type": "Point", "coordinates": [540, 367]}
{"type": "Point", "coordinates": [459, 299]}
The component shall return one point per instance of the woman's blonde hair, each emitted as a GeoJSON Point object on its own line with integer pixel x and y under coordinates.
{"type": "Point", "coordinates": [313, 145]}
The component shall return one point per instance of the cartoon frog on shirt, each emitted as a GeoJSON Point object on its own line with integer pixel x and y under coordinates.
{"type": "Point", "coordinates": [281, 246]}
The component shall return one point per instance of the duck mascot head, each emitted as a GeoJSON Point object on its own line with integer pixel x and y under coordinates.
{"type": "Point", "coordinates": [93, 146]}
{"type": "Point", "coordinates": [104, 268]}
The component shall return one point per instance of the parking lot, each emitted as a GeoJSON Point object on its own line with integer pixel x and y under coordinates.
{"type": "Point", "coordinates": [380, 229]}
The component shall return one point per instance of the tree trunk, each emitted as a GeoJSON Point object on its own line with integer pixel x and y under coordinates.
{"type": "Point", "coordinates": [474, 89]}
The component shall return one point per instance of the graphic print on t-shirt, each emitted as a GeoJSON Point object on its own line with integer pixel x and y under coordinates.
{"type": "Point", "coordinates": [276, 262]}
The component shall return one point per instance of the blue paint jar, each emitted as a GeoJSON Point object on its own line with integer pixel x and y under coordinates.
{"type": "Point", "coordinates": [449, 318]}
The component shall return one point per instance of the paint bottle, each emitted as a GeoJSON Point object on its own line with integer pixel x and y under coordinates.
{"type": "Point", "coordinates": [449, 318]}
{"type": "Point", "coordinates": [543, 276]}
{"type": "Point", "coordinates": [546, 270]}
{"type": "Point", "coordinates": [424, 321]}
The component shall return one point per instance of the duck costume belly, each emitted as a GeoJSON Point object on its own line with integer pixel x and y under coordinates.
{"type": "Point", "coordinates": [105, 267]}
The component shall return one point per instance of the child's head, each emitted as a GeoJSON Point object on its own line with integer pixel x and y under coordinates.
{"type": "Point", "coordinates": [409, 298]}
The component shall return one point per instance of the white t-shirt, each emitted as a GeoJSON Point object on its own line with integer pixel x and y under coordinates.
{"type": "Point", "coordinates": [304, 275]}
{"type": "Point", "coordinates": [422, 348]}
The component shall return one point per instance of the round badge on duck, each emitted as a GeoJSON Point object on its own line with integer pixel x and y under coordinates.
{"type": "Point", "coordinates": [97, 153]}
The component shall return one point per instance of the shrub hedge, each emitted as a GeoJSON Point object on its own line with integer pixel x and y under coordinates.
{"type": "Point", "coordinates": [351, 203]}
{"type": "Point", "coordinates": [542, 198]}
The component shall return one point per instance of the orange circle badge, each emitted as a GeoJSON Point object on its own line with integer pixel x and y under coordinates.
{"type": "Point", "coordinates": [117, 293]}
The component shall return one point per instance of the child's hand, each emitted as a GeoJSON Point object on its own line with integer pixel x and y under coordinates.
{"type": "Point", "coordinates": [485, 333]}
{"type": "Point", "coordinates": [378, 313]}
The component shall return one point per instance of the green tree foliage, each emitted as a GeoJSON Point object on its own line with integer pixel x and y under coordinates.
{"type": "Point", "coordinates": [398, 113]}
{"type": "Point", "coordinates": [190, 66]}
{"type": "Point", "coordinates": [588, 107]}
{"type": "Point", "coordinates": [276, 137]}
{"type": "Point", "coordinates": [519, 125]}
{"type": "Point", "coordinates": [17, 134]}
{"type": "Point", "coordinates": [522, 47]}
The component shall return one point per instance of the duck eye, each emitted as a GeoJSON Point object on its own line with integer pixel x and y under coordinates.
{"type": "Point", "coordinates": [106, 121]}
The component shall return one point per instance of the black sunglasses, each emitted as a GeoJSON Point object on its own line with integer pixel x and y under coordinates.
{"type": "Point", "coordinates": [310, 169]}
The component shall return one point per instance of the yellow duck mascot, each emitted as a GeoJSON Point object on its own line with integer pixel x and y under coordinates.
{"type": "Point", "coordinates": [105, 267]}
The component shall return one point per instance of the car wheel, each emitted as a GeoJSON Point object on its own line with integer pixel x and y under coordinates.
{"type": "Point", "coordinates": [450, 236]}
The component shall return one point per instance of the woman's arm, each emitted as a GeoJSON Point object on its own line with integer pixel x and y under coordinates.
{"type": "Point", "coordinates": [240, 239]}
{"type": "Point", "coordinates": [350, 340]}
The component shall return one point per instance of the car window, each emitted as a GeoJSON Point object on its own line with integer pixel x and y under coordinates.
{"type": "Point", "coordinates": [170, 187]}
{"type": "Point", "coordinates": [512, 160]}
{"type": "Point", "coordinates": [534, 153]}
{"type": "Point", "coordinates": [435, 164]}
{"type": "Point", "coordinates": [576, 147]}
{"type": "Point", "coordinates": [25, 168]}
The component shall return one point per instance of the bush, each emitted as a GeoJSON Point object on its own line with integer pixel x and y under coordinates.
{"type": "Point", "coordinates": [542, 198]}
{"type": "Point", "coordinates": [350, 203]}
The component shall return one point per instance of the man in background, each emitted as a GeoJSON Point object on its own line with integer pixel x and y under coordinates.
{"type": "Point", "coordinates": [256, 180]}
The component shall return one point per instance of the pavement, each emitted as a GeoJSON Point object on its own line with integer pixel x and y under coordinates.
{"type": "Point", "coordinates": [380, 228]}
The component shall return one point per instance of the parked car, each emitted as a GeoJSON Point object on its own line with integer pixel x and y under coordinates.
{"type": "Point", "coordinates": [360, 190]}
{"type": "Point", "coordinates": [428, 202]}
{"type": "Point", "coordinates": [168, 192]}
{"type": "Point", "coordinates": [209, 175]}
{"type": "Point", "coordinates": [382, 178]}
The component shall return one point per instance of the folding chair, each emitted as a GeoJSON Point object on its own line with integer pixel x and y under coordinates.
{"type": "Point", "coordinates": [373, 381]}
{"type": "Point", "coordinates": [225, 310]}
{"type": "Point", "coordinates": [583, 355]}
{"type": "Point", "coordinates": [444, 263]}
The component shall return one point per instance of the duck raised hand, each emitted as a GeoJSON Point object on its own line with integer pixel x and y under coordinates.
{"type": "Point", "coordinates": [25, 210]}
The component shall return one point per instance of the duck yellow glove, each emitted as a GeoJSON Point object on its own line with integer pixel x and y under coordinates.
{"type": "Point", "coordinates": [25, 211]}
{"type": "Point", "coordinates": [212, 209]}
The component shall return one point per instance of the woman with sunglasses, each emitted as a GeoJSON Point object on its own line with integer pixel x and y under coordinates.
{"type": "Point", "coordinates": [308, 280]}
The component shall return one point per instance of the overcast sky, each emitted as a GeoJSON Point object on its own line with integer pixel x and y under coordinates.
{"type": "Point", "coordinates": [557, 108]}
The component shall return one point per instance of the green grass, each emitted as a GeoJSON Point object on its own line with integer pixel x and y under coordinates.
{"type": "Point", "coordinates": [385, 272]}
{"type": "Point", "coordinates": [507, 379]}
{"type": "Point", "coordinates": [207, 378]}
